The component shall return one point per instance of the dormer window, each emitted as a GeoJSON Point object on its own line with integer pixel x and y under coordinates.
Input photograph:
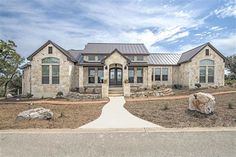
{"type": "Point", "coordinates": [207, 52]}
{"type": "Point", "coordinates": [91, 58]}
{"type": "Point", "coordinates": [139, 58]}
{"type": "Point", "coordinates": [49, 49]}
{"type": "Point", "coordinates": [131, 58]}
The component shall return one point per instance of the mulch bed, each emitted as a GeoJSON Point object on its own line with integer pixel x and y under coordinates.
{"type": "Point", "coordinates": [65, 116]}
{"type": "Point", "coordinates": [175, 113]}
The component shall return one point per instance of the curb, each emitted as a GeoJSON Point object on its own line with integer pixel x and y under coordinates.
{"type": "Point", "coordinates": [119, 130]}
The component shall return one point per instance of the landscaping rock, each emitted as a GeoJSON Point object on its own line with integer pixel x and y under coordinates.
{"type": "Point", "coordinates": [9, 95]}
{"type": "Point", "coordinates": [37, 113]}
{"type": "Point", "coordinates": [202, 102]}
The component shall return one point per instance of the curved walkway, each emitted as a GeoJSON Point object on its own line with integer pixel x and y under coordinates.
{"type": "Point", "coordinates": [114, 115]}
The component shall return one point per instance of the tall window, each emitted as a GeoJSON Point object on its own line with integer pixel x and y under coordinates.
{"type": "Point", "coordinates": [139, 75]}
{"type": "Point", "coordinates": [50, 64]}
{"type": "Point", "coordinates": [45, 74]}
{"type": "Point", "coordinates": [91, 75]}
{"type": "Point", "coordinates": [131, 74]}
{"type": "Point", "coordinates": [55, 74]}
{"type": "Point", "coordinates": [164, 74]}
{"type": "Point", "coordinates": [207, 52]}
{"type": "Point", "coordinates": [206, 71]}
{"type": "Point", "coordinates": [157, 74]}
{"type": "Point", "coordinates": [100, 75]}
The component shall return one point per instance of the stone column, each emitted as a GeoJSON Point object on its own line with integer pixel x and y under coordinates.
{"type": "Point", "coordinates": [81, 76]}
{"type": "Point", "coordinates": [105, 85]}
{"type": "Point", "coordinates": [149, 77]}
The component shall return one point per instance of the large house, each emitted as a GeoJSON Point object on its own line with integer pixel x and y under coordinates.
{"type": "Point", "coordinates": [118, 65]}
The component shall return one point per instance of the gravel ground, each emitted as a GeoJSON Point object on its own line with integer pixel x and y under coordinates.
{"type": "Point", "coordinates": [65, 116]}
{"type": "Point", "coordinates": [174, 113]}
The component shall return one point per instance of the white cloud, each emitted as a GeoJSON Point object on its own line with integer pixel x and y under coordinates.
{"type": "Point", "coordinates": [178, 36]}
{"type": "Point", "coordinates": [216, 28]}
{"type": "Point", "coordinates": [229, 9]}
{"type": "Point", "coordinates": [226, 45]}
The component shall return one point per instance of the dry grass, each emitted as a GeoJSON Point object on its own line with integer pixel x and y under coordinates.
{"type": "Point", "coordinates": [65, 116]}
{"type": "Point", "coordinates": [174, 113]}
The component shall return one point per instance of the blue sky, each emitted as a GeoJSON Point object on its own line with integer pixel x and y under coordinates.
{"type": "Point", "coordinates": [162, 25]}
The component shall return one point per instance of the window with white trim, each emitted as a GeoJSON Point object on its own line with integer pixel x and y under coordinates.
{"type": "Point", "coordinates": [206, 73]}
{"type": "Point", "coordinates": [50, 70]}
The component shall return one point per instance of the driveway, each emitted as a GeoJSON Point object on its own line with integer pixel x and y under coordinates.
{"type": "Point", "coordinates": [114, 115]}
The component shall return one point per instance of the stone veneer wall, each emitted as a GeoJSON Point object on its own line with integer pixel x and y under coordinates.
{"type": "Point", "coordinates": [26, 81]}
{"type": "Point", "coordinates": [194, 69]}
{"type": "Point", "coordinates": [160, 83]}
{"type": "Point", "coordinates": [50, 90]}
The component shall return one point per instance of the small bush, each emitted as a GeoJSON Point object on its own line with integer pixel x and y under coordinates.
{"type": "Point", "coordinates": [177, 86]}
{"type": "Point", "coordinates": [29, 95]}
{"type": "Point", "coordinates": [59, 94]}
{"type": "Point", "coordinates": [165, 107]}
{"type": "Point", "coordinates": [230, 106]}
{"type": "Point", "coordinates": [198, 85]}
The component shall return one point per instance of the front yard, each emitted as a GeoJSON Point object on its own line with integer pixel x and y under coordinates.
{"type": "Point", "coordinates": [174, 113]}
{"type": "Point", "coordinates": [65, 116]}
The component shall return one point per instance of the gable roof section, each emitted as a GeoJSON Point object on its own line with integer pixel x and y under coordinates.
{"type": "Point", "coordinates": [188, 55]}
{"type": "Point", "coordinates": [115, 50]}
{"type": "Point", "coordinates": [66, 53]}
{"type": "Point", "coordinates": [163, 58]}
{"type": "Point", "coordinates": [107, 48]}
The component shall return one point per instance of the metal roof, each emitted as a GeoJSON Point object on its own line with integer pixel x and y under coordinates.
{"type": "Point", "coordinates": [163, 58]}
{"type": "Point", "coordinates": [107, 48]}
{"type": "Point", "coordinates": [66, 53]}
{"type": "Point", "coordinates": [188, 55]}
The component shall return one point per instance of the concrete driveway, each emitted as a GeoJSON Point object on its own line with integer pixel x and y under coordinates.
{"type": "Point", "coordinates": [114, 115]}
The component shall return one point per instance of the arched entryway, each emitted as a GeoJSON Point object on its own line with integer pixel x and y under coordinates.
{"type": "Point", "coordinates": [115, 76]}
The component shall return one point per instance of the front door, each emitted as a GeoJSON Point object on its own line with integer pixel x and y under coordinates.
{"type": "Point", "coordinates": [115, 76]}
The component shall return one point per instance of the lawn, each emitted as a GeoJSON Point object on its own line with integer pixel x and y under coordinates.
{"type": "Point", "coordinates": [174, 113]}
{"type": "Point", "coordinates": [65, 116]}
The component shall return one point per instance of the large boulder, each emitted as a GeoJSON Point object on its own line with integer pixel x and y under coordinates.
{"type": "Point", "coordinates": [202, 102]}
{"type": "Point", "coordinates": [37, 113]}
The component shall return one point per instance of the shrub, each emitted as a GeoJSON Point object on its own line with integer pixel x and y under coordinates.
{"type": "Point", "coordinates": [29, 95]}
{"type": "Point", "coordinates": [165, 107]}
{"type": "Point", "coordinates": [59, 94]}
{"type": "Point", "coordinates": [230, 106]}
{"type": "Point", "coordinates": [198, 85]}
{"type": "Point", "coordinates": [177, 86]}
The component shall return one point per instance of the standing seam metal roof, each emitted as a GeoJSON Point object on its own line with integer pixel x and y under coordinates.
{"type": "Point", "coordinates": [107, 48]}
{"type": "Point", "coordinates": [163, 58]}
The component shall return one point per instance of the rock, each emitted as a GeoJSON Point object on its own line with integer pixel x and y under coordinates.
{"type": "Point", "coordinates": [202, 102]}
{"type": "Point", "coordinates": [37, 113]}
{"type": "Point", "coordinates": [9, 95]}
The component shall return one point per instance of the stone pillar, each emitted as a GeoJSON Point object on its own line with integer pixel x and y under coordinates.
{"type": "Point", "coordinates": [145, 76]}
{"type": "Point", "coordinates": [126, 89]}
{"type": "Point", "coordinates": [125, 74]}
{"type": "Point", "coordinates": [81, 76]}
{"type": "Point", "coordinates": [105, 85]}
{"type": "Point", "coordinates": [149, 77]}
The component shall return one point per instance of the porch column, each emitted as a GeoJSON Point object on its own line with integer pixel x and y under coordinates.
{"type": "Point", "coordinates": [81, 76]}
{"type": "Point", "coordinates": [105, 85]}
{"type": "Point", "coordinates": [149, 77]}
{"type": "Point", "coordinates": [125, 83]}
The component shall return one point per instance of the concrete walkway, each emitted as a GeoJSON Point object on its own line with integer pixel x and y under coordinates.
{"type": "Point", "coordinates": [114, 115]}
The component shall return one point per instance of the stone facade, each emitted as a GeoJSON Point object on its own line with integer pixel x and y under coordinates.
{"type": "Point", "coordinates": [74, 76]}
{"type": "Point", "coordinates": [49, 90]}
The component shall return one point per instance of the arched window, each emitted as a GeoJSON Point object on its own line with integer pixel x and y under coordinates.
{"type": "Point", "coordinates": [51, 60]}
{"type": "Point", "coordinates": [206, 71]}
{"type": "Point", "coordinates": [50, 69]}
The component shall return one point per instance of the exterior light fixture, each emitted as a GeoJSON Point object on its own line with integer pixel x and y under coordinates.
{"type": "Point", "coordinates": [105, 67]}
